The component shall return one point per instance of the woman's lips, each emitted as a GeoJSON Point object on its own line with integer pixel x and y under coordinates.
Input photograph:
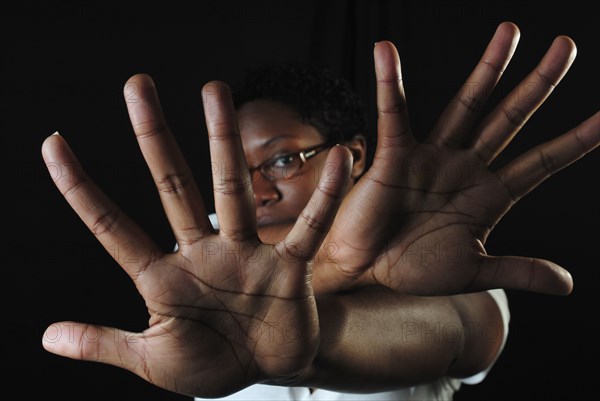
{"type": "Point", "coordinates": [269, 219]}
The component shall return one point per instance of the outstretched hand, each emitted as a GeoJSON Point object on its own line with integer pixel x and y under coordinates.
{"type": "Point", "coordinates": [418, 220]}
{"type": "Point", "coordinates": [226, 310]}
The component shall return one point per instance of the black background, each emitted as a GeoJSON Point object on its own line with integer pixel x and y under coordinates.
{"type": "Point", "coordinates": [64, 66]}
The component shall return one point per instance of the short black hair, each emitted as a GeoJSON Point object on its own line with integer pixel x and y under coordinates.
{"type": "Point", "coordinates": [321, 98]}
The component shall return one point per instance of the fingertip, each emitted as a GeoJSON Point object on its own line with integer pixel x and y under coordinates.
{"type": "Point", "coordinates": [386, 54]}
{"type": "Point", "coordinates": [341, 156]}
{"type": "Point", "coordinates": [345, 152]}
{"type": "Point", "coordinates": [336, 173]}
{"type": "Point", "coordinates": [509, 27]}
{"type": "Point", "coordinates": [215, 86]}
{"type": "Point", "coordinates": [566, 45]}
{"type": "Point", "coordinates": [557, 280]}
{"type": "Point", "coordinates": [567, 280]}
{"type": "Point", "coordinates": [558, 59]}
{"type": "Point", "coordinates": [567, 40]}
{"type": "Point", "coordinates": [135, 84]}
{"type": "Point", "coordinates": [217, 91]}
{"type": "Point", "coordinates": [383, 48]}
{"type": "Point", "coordinates": [384, 43]}
{"type": "Point", "coordinates": [50, 143]}
{"type": "Point", "coordinates": [596, 117]}
{"type": "Point", "coordinates": [502, 46]}
{"type": "Point", "coordinates": [52, 337]}
{"type": "Point", "coordinates": [139, 78]}
{"type": "Point", "coordinates": [512, 31]}
{"type": "Point", "coordinates": [50, 138]}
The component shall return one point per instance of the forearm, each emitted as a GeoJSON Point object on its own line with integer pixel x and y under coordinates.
{"type": "Point", "coordinates": [375, 339]}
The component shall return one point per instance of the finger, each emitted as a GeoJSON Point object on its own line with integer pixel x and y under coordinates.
{"type": "Point", "coordinates": [393, 130]}
{"type": "Point", "coordinates": [498, 129]}
{"type": "Point", "coordinates": [460, 115]}
{"type": "Point", "coordinates": [532, 168]}
{"type": "Point", "coordinates": [314, 222]}
{"type": "Point", "coordinates": [121, 237]}
{"type": "Point", "coordinates": [178, 191]}
{"type": "Point", "coordinates": [519, 273]}
{"type": "Point", "coordinates": [97, 344]}
{"type": "Point", "coordinates": [234, 198]}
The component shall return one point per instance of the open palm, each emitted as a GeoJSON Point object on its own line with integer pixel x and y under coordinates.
{"type": "Point", "coordinates": [418, 220]}
{"type": "Point", "coordinates": [226, 311]}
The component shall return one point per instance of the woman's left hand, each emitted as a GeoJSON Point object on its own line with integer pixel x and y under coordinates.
{"type": "Point", "coordinates": [418, 220]}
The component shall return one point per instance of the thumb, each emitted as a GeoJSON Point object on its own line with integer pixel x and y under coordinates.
{"type": "Point", "coordinates": [97, 344]}
{"type": "Point", "coordinates": [521, 273]}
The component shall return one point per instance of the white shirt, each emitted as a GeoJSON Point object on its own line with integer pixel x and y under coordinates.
{"type": "Point", "coordinates": [441, 389]}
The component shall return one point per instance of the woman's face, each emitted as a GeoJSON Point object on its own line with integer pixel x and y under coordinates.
{"type": "Point", "coordinates": [270, 129]}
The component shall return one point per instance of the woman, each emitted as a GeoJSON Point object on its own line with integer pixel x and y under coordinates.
{"type": "Point", "coordinates": [229, 311]}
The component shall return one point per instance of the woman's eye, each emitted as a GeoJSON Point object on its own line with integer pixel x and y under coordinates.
{"type": "Point", "coordinates": [283, 161]}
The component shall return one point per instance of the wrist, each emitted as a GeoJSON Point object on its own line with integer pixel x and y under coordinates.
{"type": "Point", "coordinates": [293, 347]}
{"type": "Point", "coordinates": [291, 378]}
{"type": "Point", "coordinates": [298, 379]}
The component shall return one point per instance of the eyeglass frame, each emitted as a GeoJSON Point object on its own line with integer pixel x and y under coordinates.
{"type": "Point", "coordinates": [304, 155]}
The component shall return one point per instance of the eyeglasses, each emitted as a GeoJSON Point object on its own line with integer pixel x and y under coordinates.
{"type": "Point", "coordinates": [288, 165]}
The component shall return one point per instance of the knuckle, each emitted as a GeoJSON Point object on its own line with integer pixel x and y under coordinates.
{"type": "Point", "coordinates": [105, 223]}
{"type": "Point", "coordinates": [472, 103]}
{"type": "Point", "coordinates": [515, 115]}
{"type": "Point", "coordinates": [548, 162]}
{"type": "Point", "coordinates": [221, 131]}
{"type": "Point", "coordinates": [75, 187]}
{"type": "Point", "coordinates": [173, 183]}
{"type": "Point", "coordinates": [148, 129]}
{"type": "Point", "coordinates": [231, 186]}
{"type": "Point", "coordinates": [314, 223]}
{"type": "Point", "coordinates": [550, 83]}
{"type": "Point", "coordinates": [397, 107]}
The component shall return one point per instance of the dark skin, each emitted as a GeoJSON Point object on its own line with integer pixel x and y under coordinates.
{"type": "Point", "coordinates": [269, 129]}
{"type": "Point", "coordinates": [353, 324]}
{"type": "Point", "coordinates": [440, 194]}
{"type": "Point", "coordinates": [422, 204]}
{"type": "Point", "coordinates": [243, 321]}
{"type": "Point", "coordinates": [278, 132]}
{"type": "Point", "coordinates": [205, 308]}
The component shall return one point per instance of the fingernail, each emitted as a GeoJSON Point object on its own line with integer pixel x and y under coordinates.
{"type": "Point", "coordinates": [56, 133]}
{"type": "Point", "coordinates": [375, 44]}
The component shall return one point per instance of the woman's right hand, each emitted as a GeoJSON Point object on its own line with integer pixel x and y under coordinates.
{"type": "Point", "coordinates": [226, 310]}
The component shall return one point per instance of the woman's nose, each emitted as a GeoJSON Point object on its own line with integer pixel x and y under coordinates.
{"type": "Point", "coordinates": [265, 191]}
